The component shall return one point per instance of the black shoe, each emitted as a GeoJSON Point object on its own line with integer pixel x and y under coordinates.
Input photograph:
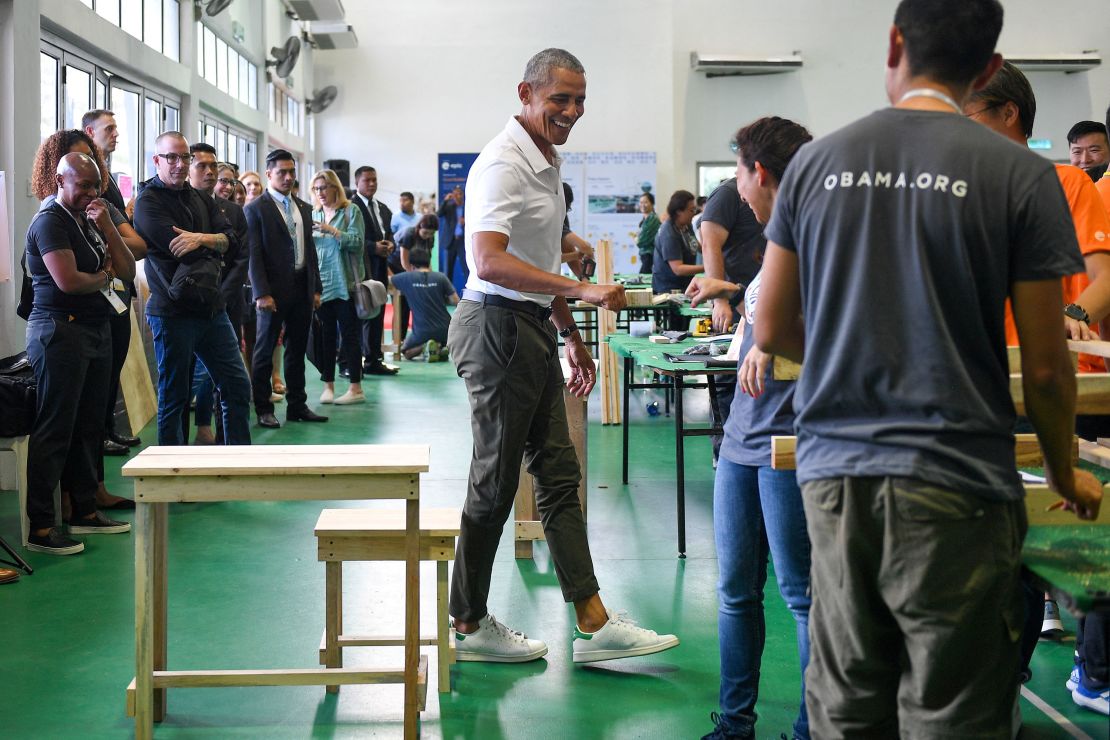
{"type": "Point", "coordinates": [379, 368]}
{"type": "Point", "coordinates": [344, 372]}
{"type": "Point", "coordinates": [115, 448]}
{"type": "Point", "coordinates": [269, 421]}
{"type": "Point", "coordinates": [124, 439]}
{"type": "Point", "coordinates": [305, 414]}
{"type": "Point", "coordinates": [54, 543]}
{"type": "Point", "coordinates": [99, 524]}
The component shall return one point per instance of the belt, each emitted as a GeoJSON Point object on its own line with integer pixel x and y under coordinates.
{"type": "Point", "coordinates": [543, 313]}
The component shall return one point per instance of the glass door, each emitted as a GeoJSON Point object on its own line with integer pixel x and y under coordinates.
{"type": "Point", "coordinates": [126, 167]}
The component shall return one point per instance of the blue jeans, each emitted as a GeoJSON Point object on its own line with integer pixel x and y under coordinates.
{"type": "Point", "coordinates": [204, 390]}
{"type": "Point", "coordinates": [757, 510]}
{"type": "Point", "coordinates": [176, 340]}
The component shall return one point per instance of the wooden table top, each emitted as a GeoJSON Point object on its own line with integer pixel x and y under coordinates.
{"type": "Point", "coordinates": [279, 460]}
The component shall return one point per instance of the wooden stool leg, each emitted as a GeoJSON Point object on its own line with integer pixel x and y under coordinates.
{"type": "Point", "coordinates": [333, 619]}
{"type": "Point", "coordinates": [443, 629]}
{"type": "Point", "coordinates": [161, 536]}
{"type": "Point", "coordinates": [412, 618]}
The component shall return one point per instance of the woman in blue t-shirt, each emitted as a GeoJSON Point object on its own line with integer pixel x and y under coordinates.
{"type": "Point", "coordinates": [339, 235]}
{"type": "Point", "coordinates": [756, 510]}
{"type": "Point", "coordinates": [676, 246]}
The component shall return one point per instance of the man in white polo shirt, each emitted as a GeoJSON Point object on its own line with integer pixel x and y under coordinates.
{"type": "Point", "coordinates": [504, 347]}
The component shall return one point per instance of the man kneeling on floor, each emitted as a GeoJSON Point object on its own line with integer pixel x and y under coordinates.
{"type": "Point", "coordinates": [506, 350]}
{"type": "Point", "coordinates": [428, 293]}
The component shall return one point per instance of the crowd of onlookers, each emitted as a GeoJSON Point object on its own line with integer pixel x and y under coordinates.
{"type": "Point", "coordinates": [239, 279]}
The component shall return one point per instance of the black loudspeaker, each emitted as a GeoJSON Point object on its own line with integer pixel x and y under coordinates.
{"type": "Point", "coordinates": [341, 167]}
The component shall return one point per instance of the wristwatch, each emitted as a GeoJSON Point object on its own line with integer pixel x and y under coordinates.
{"type": "Point", "coordinates": [567, 331]}
{"type": "Point", "coordinates": [1075, 311]}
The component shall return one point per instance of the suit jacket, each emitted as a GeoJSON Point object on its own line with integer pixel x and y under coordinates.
{"type": "Point", "coordinates": [271, 251]}
{"type": "Point", "coordinates": [448, 219]}
{"type": "Point", "coordinates": [236, 260]}
{"type": "Point", "coordinates": [377, 268]}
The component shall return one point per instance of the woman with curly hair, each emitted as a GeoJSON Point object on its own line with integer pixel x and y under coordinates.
{"type": "Point", "coordinates": [45, 188]}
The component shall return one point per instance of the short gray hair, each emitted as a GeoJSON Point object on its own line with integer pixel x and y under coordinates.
{"type": "Point", "coordinates": [541, 67]}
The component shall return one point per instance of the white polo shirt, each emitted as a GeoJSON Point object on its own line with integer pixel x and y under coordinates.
{"type": "Point", "coordinates": [513, 190]}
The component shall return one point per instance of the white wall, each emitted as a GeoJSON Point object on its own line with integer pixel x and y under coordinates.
{"type": "Point", "coordinates": [433, 76]}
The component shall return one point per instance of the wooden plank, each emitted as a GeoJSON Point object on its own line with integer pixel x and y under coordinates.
{"type": "Point", "coordinates": [1026, 449]}
{"type": "Point", "coordinates": [415, 663]}
{"type": "Point", "coordinates": [444, 632]}
{"type": "Point", "coordinates": [784, 369]}
{"type": "Point", "coordinates": [1095, 347]}
{"type": "Point", "coordinates": [349, 549]}
{"type": "Point", "coordinates": [277, 488]}
{"type": "Point", "coordinates": [1013, 359]}
{"type": "Point", "coordinates": [381, 641]}
{"type": "Point", "coordinates": [443, 522]}
{"type": "Point", "coordinates": [278, 677]}
{"type": "Point", "coordinates": [279, 460]}
{"type": "Point", "coordinates": [144, 622]}
{"type": "Point", "coordinates": [524, 510]}
{"type": "Point", "coordinates": [1094, 452]}
{"type": "Point", "coordinates": [782, 453]}
{"type": "Point", "coordinates": [134, 382]}
{"type": "Point", "coordinates": [1039, 499]}
{"type": "Point", "coordinates": [1092, 393]}
{"type": "Point", "coordinates": [529, 531]}
{"type": "Point", "coordinates": [332, 655]}
{"type": "Point", "coordinates": [161, 602]}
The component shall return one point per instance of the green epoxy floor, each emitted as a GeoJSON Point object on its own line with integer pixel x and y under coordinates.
{"type": "Point", "coordinates": [247, 592]}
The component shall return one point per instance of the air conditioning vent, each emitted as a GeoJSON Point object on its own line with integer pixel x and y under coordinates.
{"type": "Point", "coordinates": [728, 65]}
{"type": "Point", "coordinates": [1055, 62]}
{"type": "Point", "coordinates": [318, 10]}
{"type": "Point", "coordinates": [330, 35]}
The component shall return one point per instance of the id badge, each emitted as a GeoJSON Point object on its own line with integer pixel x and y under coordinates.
{"type": "Point", "coordinates": [118, 286]}
{"type": "Point", "coordinates": [113, 300]}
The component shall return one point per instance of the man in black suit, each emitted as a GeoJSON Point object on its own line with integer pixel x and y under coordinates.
{"type": "Point", "coordinates": [285, 280]}
{"type": "Point", "coordinates": [452, 225]}
{"type": "Point", "coordinates": [379, 248]}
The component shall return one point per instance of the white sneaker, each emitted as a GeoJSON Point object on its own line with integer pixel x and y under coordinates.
{"type": "Point", "coordinates": [493, 642]}
{"type": "Point", "coordinates": [328, 396]}
{"type": "Point", "coordinates": [1073, 679]}
{"type": "Point", "coordinates": [618, 638]}
{"type": "Point", "coordinates": [350, 397]}
{"type": "Point", "coordinates": [276, 398]}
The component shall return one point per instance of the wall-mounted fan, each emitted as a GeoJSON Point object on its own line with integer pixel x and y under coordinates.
{"type": "Point", "coordinates": [321, 99]}
{"type": "Point", "coordinates": [214, 7]}
{"type": "Point", "coordinates": [285, 56]}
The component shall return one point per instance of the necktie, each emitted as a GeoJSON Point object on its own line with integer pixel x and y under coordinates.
{"type": "Point", "coordinates": [292, 225]}
{"type": "Point", "coordinates": [377, 219]}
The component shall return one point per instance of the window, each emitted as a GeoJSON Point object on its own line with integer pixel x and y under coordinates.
{"type": "Point", "coordinates": [152, 127]}
{"type": "Point", "coordinates": [152, 24]}
{"type": "Point", "coordinates": [232, 145]}
{"type": "Point", "coordinates": [101, 95]}
{"type": "Point", "coordinates": [219, 62]}
{"type": "Point", "coordinates": [131, 19]}
{"type": "Point", "coordinates": [125, 160]}
{"type": "Point", "coordinates": [108, 10]}
{"type": "Point", "coordinates": [77, 88]}
{"type": "Point", "coordinates": [48, 94]}
{"type": "Point", "coordinates": [173, 119]}
{"type": "Point", "coordinates": [171, 29]}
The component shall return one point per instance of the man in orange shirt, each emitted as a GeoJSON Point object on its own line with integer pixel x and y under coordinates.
{"type": "Point", "coordinates": [1007, 105]}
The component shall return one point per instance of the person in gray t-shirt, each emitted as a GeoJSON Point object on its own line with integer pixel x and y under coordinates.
{"type": "Point", "coordinates": [892, 248]}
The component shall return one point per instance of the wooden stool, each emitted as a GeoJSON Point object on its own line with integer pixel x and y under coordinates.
{"type": "Point", "coordinates": [379, 534]}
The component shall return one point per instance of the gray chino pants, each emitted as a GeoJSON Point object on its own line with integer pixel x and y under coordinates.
{"type": "Point", "coordinates": [510, 362]}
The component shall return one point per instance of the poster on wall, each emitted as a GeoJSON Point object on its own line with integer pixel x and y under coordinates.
{"type": "Point", "coordinates": [614, 183]}
{"type": "Point", "coordinates": [453, 169]}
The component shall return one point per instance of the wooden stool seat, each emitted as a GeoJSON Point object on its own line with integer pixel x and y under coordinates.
{"type": "Point", "coordinates": [379, 534]}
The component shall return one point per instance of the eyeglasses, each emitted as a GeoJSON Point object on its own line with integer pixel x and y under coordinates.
{"type": "Point", "coordinates": [227, 181]}
{"type": "Point", "coordinates": [981, 111]}
{"type": "Point", "coordinates": [321, 188]}
{"type": "Point", "coordinates": [174, 158]}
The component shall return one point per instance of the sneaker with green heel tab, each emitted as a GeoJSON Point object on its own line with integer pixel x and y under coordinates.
{"type": "Point", "coordinates": [493, 642]}
{"type": "Point", "coordinates": [619, 637]}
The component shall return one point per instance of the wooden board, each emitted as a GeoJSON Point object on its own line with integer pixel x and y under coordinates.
{"type": "Point", "coordinates": [1094, 347]}
{"type": "Point", "coordinates": [261, 487]}
{"type": "Point", "coordinates": [1039, 499]}
{"type": "Point", "coordinates": [1027, 450]}
{"type": "Point", "coordinates": [784, 369]}
{"type": "Point", "coordinates": [1092, 393]}
{"type": "Point", "coordinates": [134, 380]}
{"type": "Point", "coordinates": [279, 460]}
{"type": "Point", "coordinates": [385, 522]}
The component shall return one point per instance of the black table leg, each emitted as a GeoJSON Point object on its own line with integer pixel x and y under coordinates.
{"type": "Point", "coordinates": [624, 419]}
{"type": "Point", "coordinates": [680, 459]}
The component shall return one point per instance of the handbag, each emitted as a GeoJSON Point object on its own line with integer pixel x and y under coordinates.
{"type": "Point", "coordinates": [18, 396]}
{"type": "Point", "coordinates": [315, 351]}
{"type": "Point", "coordinates": [196, 286]}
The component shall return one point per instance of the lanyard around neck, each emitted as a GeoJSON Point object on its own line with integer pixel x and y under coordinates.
{"type": "Point", "coordinates": [928, 92]}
